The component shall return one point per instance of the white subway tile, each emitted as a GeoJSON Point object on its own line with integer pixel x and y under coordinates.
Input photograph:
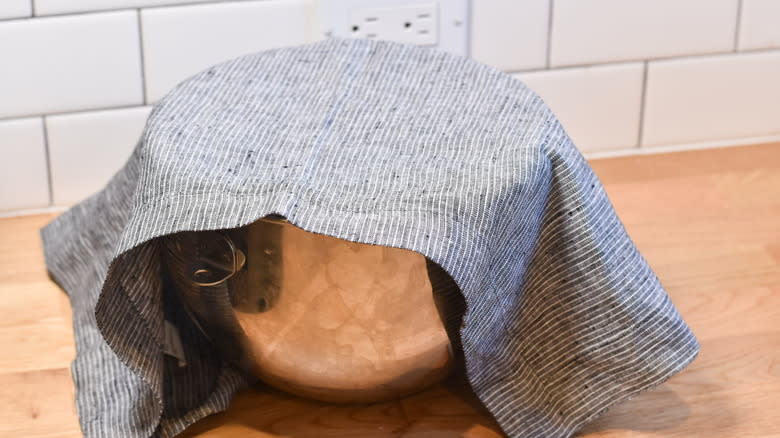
{"type": "Point", "coordinates": [712, 98]}
{"type": "Point", "coordinates": [510, 34]}
{"type": "Point", "coordinates": [595, 31]}
{"type": "Point", "coordinates": [15, 8]}
{"type": "Point", "coordinates": [598, 106]}
{"type": "Point", "coordinates": [87, 149]}
{"type": "Point", "coordinates": [47, 7]}
{"type": "Point", "coordinates": [23, 175]}
{"type": "Point", "coordinates": [760, 24]}
{"type": "Point", "coordinates": [181, 41]}
{"type": "Point", "coordinates": [58, 64]}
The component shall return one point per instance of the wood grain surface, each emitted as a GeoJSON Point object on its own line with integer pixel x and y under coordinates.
{"type": "Point", "coordinates": [707, 221]}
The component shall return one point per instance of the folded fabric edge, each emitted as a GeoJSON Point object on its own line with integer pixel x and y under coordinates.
{"type": "Point", "coordinates": [511, 400]}
{"type": "Point", "coordinates": [56, 248]}
{"type": "Point", "coordinates": [679, 367]}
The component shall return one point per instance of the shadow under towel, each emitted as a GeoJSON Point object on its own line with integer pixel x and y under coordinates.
{"type": "Point", "coordinates": [380, 143]}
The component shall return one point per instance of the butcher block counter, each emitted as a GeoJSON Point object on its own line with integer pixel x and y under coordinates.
{"type": "Point", "coordinates": [707, 221]}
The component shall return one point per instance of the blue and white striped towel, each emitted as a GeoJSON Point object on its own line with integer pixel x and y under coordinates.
{"type": "Point", "coordinates": [381, 143]}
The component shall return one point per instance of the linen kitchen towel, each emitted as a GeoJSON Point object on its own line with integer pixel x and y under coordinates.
{"type": "Point", "coordinates": [380, 143]}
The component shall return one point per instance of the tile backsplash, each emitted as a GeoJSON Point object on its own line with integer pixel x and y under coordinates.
{"type": "Point", "coordinates": [15, 8]}
{"type": "Point", "coordinates": [181, 41]}
{"type": "Point", "coordinates": [24, 182]}
{"type": "Point", "coordinates": [510, 35]}
{"type": "Point", "coordinates": [70, 63]}
{"type": "Point", "coordinates": [721, 96]}
{"type": "Point", "coordinates": [759, 25]}
{"type": "Point", "coordinates": [599, 31]}
{"type": "Point", "coordinates": [79, 77]}
{"type": "Point", "coordinates": [81, 158]}
{"type": "Point", "coordinates": [586, 97]}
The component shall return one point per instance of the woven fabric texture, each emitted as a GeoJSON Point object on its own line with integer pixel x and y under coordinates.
{"type": "Point", "coordinates": [381, 143]}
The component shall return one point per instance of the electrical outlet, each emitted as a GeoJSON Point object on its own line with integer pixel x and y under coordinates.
{"type": "Point", "coordinates": [414, 24]}
{"type": "Point", "coordinates": [442, 24]}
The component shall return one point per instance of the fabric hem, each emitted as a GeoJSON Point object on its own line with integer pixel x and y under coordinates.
{"type": "Point", "coordinates": [686, 361]}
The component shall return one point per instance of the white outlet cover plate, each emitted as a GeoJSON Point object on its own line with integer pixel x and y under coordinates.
{"type": "Point", "coordinates": [416, 24]}
{"type": "Point", "coordinates": [335, 18]}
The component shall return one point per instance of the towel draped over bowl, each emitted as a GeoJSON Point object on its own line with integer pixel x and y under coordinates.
{"type": "Point", "coordinates": [382, 143]}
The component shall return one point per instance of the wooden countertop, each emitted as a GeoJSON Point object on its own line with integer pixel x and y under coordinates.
{"type": "Point", "coordinates": [707, 221]}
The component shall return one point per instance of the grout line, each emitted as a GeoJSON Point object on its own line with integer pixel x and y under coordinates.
{"type": "Point", "coordinates": [570, 67]}
{"type": "Point", "coordinates": [65, 14]}
{"type": "Point", "coordinates": [141, 54]}
{"type": "Point", "coordinates": [35, 14]}
{"type": "Point", "coordinates": [549, 33]}
{"type": "Point", "coordinates": [32, 211]}
{"type": "Point", "coordinates": [4, 20]}
{"type": "Point", "coordinates": [682, 147]}
{"type": "Point", "coordinates": [47, 154]}
{"type": "Point", "coordinates": [642, 106]}
{"type": "Point", "coordinates": [74, 112]}
{"type": "Point", "coordinates": [21, 17]}
{"type": "Point", "coordinates": [659, 59]}
{"type": "Point", "coordinates": [738, 27]}
{"type": "Point", "coordinates": [468, 25]}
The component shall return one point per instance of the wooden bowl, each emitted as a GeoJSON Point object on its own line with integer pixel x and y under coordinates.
{"type": "Point", "coordinates": [327, 318]}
